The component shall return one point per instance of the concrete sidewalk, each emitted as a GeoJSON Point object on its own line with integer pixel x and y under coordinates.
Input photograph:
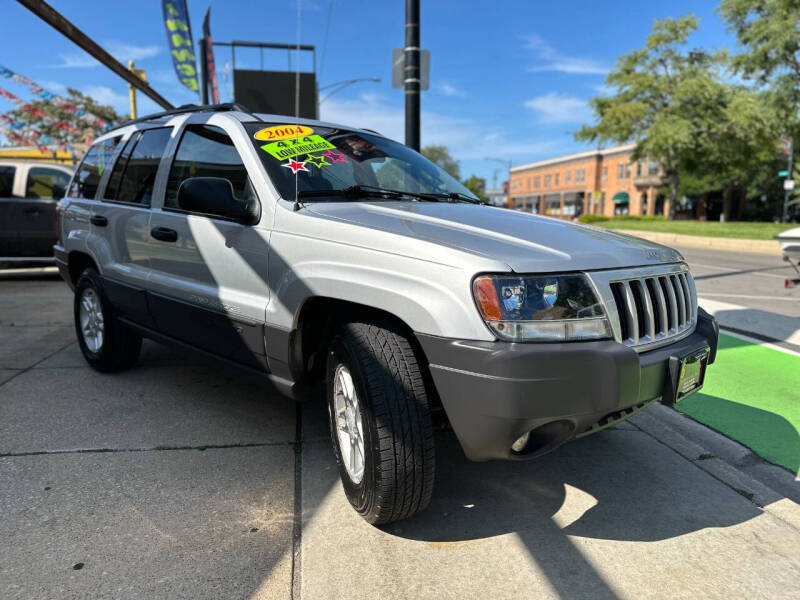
{"type": "Point", "coordinates": [182, 479]}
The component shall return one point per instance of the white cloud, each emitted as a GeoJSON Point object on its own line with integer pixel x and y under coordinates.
{"type": "Point", "coordinates": [105, 95]}
{"type": "Point", "coordinates": [124, 52]}
{"type": "Point", "coordinates": [466, 139]}
{"type": "Point", "coordinates": [446, 88]}
{"type": "Point", "coordinates": [552, 60]}
{"type": "Point", "coordinates": [79, 60]}
{"type": "Point", "coordinates": [559, 108]}
{"type": "Point", "coordinates": [120, 50]}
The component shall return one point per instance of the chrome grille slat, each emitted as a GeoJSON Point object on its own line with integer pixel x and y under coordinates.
{"type": "Point", "coordinates": [631, 314]}
{"type": "Point", "coordinates": [666, 283]}
{"type": "Point", "coordinates": [652, 307]}
{"type": "Point", "coordinates": [649, 316]}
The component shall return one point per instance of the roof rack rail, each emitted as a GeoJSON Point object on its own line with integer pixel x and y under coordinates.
{"type": "Point", "coordinates": [190, 108]}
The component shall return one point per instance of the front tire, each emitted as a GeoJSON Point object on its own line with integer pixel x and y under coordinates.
{"type": "Point", "coordinates": [380, 422]}
{"type": "Point", "coordinates": [107, 345]}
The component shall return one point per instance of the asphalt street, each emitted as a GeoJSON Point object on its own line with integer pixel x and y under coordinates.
{"type": "Point", "coordinates": [183, 479]}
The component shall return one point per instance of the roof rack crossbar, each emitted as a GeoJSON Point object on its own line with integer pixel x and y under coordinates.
{"type": "Point", "coordinates": [189, 108]}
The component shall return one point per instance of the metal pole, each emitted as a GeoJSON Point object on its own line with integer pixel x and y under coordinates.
{"type": "Point", "coordinates": [56, 20]}
{"type": "Point", "coordinates": [411, 75]}
{"type": "Point", "coordinates": [203, 71]}
{"type": "Point", "coordinates": [788, 193]}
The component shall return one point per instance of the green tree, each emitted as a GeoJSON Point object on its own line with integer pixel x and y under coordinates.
{"type": "Point", "coordinates": [442, 157]}
{"type": "Point", "coordinates": [86, 130]}
{"type": "Point", "coordinates": [768, 33]}
{"type": "Point", "coordinates": [476, 185]}
{"type": "Point", "coordinates": [664, 96]}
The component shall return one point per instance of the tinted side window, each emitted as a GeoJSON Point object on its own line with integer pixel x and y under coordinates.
{"type": "Point", "coordinates": [46, 183]}
{"type": "Point", "coordinates": [119, 168]}
{"type": "Point", "coordinates": [7, 181]}
{"type": "Point", "coordinates": [92, 167]}
{"type": "Point", "coordinates": [140, 173]}
{"type": "Point", "coordinates": [206, 151]}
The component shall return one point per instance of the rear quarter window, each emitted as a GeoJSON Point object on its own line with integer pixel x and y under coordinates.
{"type": "Point", "coordinates": [93, 165]}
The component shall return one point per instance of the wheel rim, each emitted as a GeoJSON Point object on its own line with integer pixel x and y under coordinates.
{"type": "Point", "coordinates": [91, 319]}
{"type": "Point", "coordinates": [348, 423]}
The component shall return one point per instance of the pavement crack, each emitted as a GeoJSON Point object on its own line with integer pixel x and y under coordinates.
{"type": "Point", "coordinates": [26, 369]}
{"type": "Point", "coordinates": [297, 525]}
{"type": "Point", "coordinates": [160, 448]}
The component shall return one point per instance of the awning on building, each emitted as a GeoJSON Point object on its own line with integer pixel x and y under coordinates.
{"type": "Point", "coordinates": [621, 198]}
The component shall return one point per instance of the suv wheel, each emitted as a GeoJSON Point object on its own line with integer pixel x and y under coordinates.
{"type": "Point", "coordinates": [105, 342]}
{"type": "Point", "coordinates": [380, 423]}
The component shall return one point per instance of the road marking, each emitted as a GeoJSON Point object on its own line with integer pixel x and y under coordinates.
{"type": "Point", "coordinates": [729, 270]}
{"type": "Point", "coordinates": [748, 296]}
{"type": "Point", "coordinates": [753, 340]}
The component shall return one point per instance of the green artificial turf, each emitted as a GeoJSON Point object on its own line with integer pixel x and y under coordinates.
{"type": "Point", "coordinates": [752, 394]}
{"type": "Point", "coordinates": [733, 229]}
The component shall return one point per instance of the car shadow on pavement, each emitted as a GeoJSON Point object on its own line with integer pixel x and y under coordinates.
{"type": "Point", "coordinates": [620, 484]}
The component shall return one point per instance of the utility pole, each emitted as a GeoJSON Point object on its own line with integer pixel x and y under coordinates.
{"type": "Point", "coordinates": [787, 192]}
{"type": "Point", "coordinates": [143, 76]}
{"type": "Point", "coordinates": [411, 77]}
{"type": "Point", "coordinates": [203, 70]}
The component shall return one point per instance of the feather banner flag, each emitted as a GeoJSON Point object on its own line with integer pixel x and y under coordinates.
{"type": "Point", "coordinates": [179, 40]}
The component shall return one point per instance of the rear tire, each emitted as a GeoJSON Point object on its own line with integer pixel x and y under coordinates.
{"type": "Point", "coordinates": [107, 345]}
{"type": "Point", "coordinates": [389, 413]}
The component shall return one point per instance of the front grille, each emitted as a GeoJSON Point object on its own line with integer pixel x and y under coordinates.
{"type": "Point", "coordinates": [654, 308]}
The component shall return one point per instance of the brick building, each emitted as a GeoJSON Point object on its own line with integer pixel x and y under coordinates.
{"type": "Point", "coordinates": [603, 182]}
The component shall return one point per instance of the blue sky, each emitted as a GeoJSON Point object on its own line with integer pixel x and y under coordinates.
{"type": "Point", "coordinates": [508, 79]}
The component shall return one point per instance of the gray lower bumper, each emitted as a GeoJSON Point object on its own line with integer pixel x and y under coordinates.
{"type": "Point", "coordinates": [494, 392]}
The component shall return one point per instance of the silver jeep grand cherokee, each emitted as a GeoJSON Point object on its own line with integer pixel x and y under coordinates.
{"type": "Point", "coordinates": [314, 253]}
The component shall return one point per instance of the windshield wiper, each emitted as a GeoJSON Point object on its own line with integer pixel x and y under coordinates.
{"type": "Point", "coordinates": [355, 192]}
{"type": "Point", "coordinates": [449, 197]}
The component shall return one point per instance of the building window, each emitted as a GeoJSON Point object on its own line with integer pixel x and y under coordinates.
{"type": "Point", "coordinates": [620, 171]}
{"type": "Point", "coordinates": [569, 177]}
{"type": "Point", "coordinates": [556, 178]}
{"type": "Point", "coordinates": [548, 180]}
{"type": "Point", "coordinates": [580, 175]}
{"type": "Point", "coordinates": [652, 167]}
{"type": "Point", "coordinates": [529, 183]}
{"type": "Point", "coordinates": [639, 169]}
{"type": "Point", "coordinates": [627, 170]}
{"type": "Point", "coordinates": [605, 174]}
{"type": "Point", "coordinates": [537, 181]}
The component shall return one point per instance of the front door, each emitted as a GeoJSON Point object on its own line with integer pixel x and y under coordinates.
{"type": "Point", "coordinates": [208, 284]}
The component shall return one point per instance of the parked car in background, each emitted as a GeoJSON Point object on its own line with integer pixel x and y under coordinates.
{"type": "Point", "coordinates": [29, 192]}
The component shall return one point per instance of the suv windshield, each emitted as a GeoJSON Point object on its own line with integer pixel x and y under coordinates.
{"type": "Point", "coordinates": [349, 165]}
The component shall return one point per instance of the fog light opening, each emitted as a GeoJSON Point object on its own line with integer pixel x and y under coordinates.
{"type": "Point", "coordinates": [544, 438]}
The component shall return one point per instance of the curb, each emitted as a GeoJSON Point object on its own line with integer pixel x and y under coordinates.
{"type": "Point", "coordinates": [713, 243]}
{"type": "Point", "coordinates": [664, 425]}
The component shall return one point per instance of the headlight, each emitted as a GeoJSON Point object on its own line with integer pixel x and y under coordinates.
{"type": "Point", "coordinates": [546, 308]}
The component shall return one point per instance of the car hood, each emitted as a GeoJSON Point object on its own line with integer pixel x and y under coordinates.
{"type": "Point", "coordinates": [525, 242]}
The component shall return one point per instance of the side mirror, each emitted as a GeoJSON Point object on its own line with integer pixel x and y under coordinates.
{"type": "Point", "coordinates": [214, 196]}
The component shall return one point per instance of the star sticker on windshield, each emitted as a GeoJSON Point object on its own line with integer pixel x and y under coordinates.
{"type": "Point", "coordinates": [335, 156]}
{"type": "Point", "coordinates": [295, 166]}
{"type": "Point", "coordinates": [316, 160]}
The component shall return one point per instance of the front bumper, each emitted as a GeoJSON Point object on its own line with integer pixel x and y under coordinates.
{"type": "Point", "coordinates": [494, 392]}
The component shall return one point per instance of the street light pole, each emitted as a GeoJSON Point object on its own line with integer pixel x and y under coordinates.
{"type": "Point", "coordinates": [787, 192]}
{"type": "Point", "coordinates": [411, 75]}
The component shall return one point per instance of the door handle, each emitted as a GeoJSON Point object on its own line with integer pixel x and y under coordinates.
{"type": "Point", "coordinates": [165, 234]}
{"type": "Point", "coordinates": [31, 210]}
{"type": "Point", "coordinates": [98, 220]}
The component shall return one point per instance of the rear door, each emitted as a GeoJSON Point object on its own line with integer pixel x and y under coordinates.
{"type": "Point", "coordinates": [44, 187]}
{"type": "Point", "coordinates": [121, 221]}
{"type": "Point", "coordinates": [9, 216]}
{"type": "Point", "coordinates": [208, 281]}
